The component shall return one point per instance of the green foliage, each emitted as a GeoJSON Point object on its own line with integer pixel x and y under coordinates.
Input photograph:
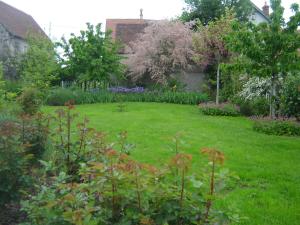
{"type": "Point", "coordinates": [271, 48]}
{"type": "Point", "coordinates": [119, 190]}
{"type": "Point", "coordinates": [291, 96]}
{"type": "Point", "coordinates": [38, 66]}
{"type": "Point", "coordinates": [281, 128]}
{"type": "Point", "coordinates": [211, 10]}
{"type": "Point", "coordinates": [210, 46]}
{"type": "Point", "coordinates": [34, 133]}
{"type": "Point", "coordinates": [254, 107]}
{"type": "Point", "coordinates": [59, 97]}
{"type": "Point", "coordinates": [92, 56]}
{"type": "Point", "coordinates": [224, 109]}
{"type": "Point", "coordinates": [30, 100]}
{"type": "Point", "coordinates": [13, 160]}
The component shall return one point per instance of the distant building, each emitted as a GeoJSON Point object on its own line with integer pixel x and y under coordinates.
{"type": "Point", "coordinates": [127, 30]}
{"type": "Point", "coordinates": [260, 16]}
{"type": "Point", "coordinates": [15, 26]}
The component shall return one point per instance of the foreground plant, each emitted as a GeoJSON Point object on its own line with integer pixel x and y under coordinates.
{"type": "Point", "coordinates": [120, 190]}
{"type": "Point", "coordinates": [90, 182]}
{"type": "Point", "coordinates": [215, 157]}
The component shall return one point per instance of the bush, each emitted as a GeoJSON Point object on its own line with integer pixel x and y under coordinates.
{"type": "Point", "coordinates": [225, 109]}
{"type": "Point", "coordinates": [119, 190]}
{"type": "Point", "coordinates": [13, 161]}
{"type": "Point", "coordinates": [255, 107]}
{"type": "Point", "coordinates": [291, 96]}
{"type": "Point", "coordinates": [34, 134]}
{"type": "Point", "coordinates": [280, 128]}
{"type": "Point", "coordinates": [58, 97]}
{"type": "Point", "coordinates": [30, 101]}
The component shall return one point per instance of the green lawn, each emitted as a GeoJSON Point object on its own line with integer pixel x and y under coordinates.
{"type": "Point", "coordinates": [268, 166]}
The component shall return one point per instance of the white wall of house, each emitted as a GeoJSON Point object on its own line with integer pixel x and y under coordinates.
{"type": "Point", "coordinates": [258, 18]}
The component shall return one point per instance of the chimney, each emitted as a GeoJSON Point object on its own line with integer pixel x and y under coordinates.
{"type": "Point", "coordinates": [266, 9]}
{"type": "Point", "coordinates": [141, 14]}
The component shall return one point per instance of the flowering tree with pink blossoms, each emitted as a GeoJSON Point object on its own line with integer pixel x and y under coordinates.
{"type": "Point", "coordinates": [164, 48]}
{"type": "Point", "coordinates": [210, 46]}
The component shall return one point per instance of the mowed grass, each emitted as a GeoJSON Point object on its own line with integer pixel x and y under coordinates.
{"type": "Point", "coordinates": [268, 192]}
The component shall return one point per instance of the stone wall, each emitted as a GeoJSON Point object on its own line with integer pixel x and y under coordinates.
{"type": "Point", "coordinates": [10, 48]}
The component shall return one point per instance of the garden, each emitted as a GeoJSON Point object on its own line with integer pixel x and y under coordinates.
{"type": "Point", "coordinates": [91, 137]}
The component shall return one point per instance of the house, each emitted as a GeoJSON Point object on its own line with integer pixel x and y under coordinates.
{"type": "Point", "coordinates": [128, 30]}
{"type": "Point", "coordinates": [260, 16]}
{"type": "Point", "coordinates": [15, 26]}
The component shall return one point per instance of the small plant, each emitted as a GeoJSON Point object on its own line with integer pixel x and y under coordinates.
{"type": "Point", "coordinates": [277, 127]}
{"type": "Point", "coordinates": [215, 157]}
{"type": "Point", "coordinates": [125, 147]}
{"type": "Point", "coordinates": [121, 105]}
{"type": "Point", "coordinates": [224, 109]}
{"type": "Point", "coordinates": [30, 101]}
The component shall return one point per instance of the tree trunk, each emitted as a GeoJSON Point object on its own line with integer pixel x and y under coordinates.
{"type": "Point", "coordinates": [218, 84]}
{"type": "Point", "coordinates": [273, 97]}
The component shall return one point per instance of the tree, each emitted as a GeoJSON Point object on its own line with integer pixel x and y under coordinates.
{"type": "Point", "coordinates": [271, 48]}
{"type": "Point", "coordinates": [163, 49]}
{"type": "Point", "coordinates": [39, 64]}
{"type": "Point", "coordinates": [92, 56]}
{"type": "Point", "coordinates": [211, 10]}
{"type": "Point", "coordinates": [210, 46]}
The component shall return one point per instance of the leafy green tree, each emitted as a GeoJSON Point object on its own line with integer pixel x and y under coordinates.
{"type": "Point", "coordinates": [39, 64]}
{"type": "Point", "coordinates": [92, 56]}
{"type": "Point", "coordinates": [211, 10]}
{"type": "Point", "coordinates": [210, 46]}
{"type": "Point", "coordinates": [271, 48]}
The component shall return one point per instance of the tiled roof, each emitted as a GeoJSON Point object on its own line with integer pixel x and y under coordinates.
{"type": "Point", "coordinates": [17, 22]}
{"type": "Point", "coordinates": [126, 30]}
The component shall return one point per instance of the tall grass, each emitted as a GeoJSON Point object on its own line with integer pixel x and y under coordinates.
{"type": "Point", "coordinates": [58, 97]}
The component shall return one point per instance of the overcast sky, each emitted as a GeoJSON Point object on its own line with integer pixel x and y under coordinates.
{"type": "Point", "coordinates": [62, 17]}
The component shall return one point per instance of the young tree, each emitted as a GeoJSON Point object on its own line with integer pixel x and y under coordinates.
{"type": "Point", "coordinates": [38, 65]}
{"type": "Point", "coordinates": [271, 48]}
{"type": "Point", "coordinates": [164, 48]}
{"type": "Point", "coordinates": [211, 10]}
{"type": "Point", "coordinates": [210, 47]}
{"type": "Point", "coordinates": [92, 56]}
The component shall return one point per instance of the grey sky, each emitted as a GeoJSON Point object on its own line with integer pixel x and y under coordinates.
{"type": "Point", "coordinates": [67, 16]}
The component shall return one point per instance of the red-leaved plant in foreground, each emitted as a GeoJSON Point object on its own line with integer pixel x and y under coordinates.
{"type": "Point", "coordinates": [110, 187]}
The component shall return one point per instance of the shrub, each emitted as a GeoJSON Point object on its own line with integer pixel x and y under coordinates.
{"type": "Point", "coordinates": [13, 161]}
{"type": "Point", "coordinates": [119, 190]}
{"type": "Point", "coordinates": [280, 128]}
{"type": "Point", "coordinates": [291, 96]}
{"type": "Point", "coordinates": [224, 109]}
{"type": "Point", "coordinates": [34, 134]}
{"type": "Point", "coordinates": [255, 107]}
{"type": "Point", "coordinates": [30, 101]}
{"type": "Point", "coordinates": [58, 97]}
